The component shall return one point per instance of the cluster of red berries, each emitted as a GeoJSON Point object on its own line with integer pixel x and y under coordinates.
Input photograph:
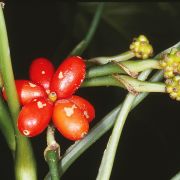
{"type": "Point", "coordinates": [49, 94]}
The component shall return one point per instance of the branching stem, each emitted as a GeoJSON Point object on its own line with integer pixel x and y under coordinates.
{"type": "Point", "coordinates": [133, 85]}
{"type": "Point", "coordinates": [134, 67]}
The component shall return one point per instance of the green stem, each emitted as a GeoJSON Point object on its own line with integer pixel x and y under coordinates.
{"type": "Point", "coordinates": [110, 152]}
{"type": "Point", "coordinates": [52, 153]}
{"type": "Point", "coordinates": [6, 127]}
{"type": "Point", "coordinates": [137, 85]}
{"type": "Point", "coordinates": [52, 160]}
{"type": "Point", "coordinates": [134, 66]}
{"type": "Point", "coordinates": [79, 49]}
{"type": "Point", "coordinates": [117, 58]}
{"type": "Point", "coordinates": [123, 81]}
{"type": "Point", "coordinates": [102, 81]}
{"type": "Point", "coordinates": [6, 70]}
{"type": "Point", "coordinates": [176, 177]}
{"type": "Point", "coordinates": [25, 166]}
{"type": "Point", "coordinates": [1, 81]}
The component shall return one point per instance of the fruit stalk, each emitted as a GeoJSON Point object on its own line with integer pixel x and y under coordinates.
{"type": "Point", "coordinates": [52, 153]}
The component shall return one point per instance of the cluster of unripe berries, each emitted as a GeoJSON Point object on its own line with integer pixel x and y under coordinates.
{"type": "Point", "coordinates": [170, 64]}
{"type": "Point", "coordinates": [141, 47]}
{"type": "Point", "coordinates": [49, 94]}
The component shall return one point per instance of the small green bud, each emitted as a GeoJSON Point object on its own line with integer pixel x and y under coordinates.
{"type": "Point", "coordinates": [170, 63]}
{"type": "Point", "coordinates": [141, 47]}
{"type": "Point", "coordinates": [143, 38]}
{"type": "Point", "coordinates": [173, 87]}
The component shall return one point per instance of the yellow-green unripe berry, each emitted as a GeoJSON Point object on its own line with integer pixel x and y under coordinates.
{"type": "Point", "coordinates": [142, 38]}
{"type": "Point", "coordinates": [171, 64]}
{"type": "Point", "coordinates": [141, 47]}
{"type": "Point", "coordinates": [173, 87]}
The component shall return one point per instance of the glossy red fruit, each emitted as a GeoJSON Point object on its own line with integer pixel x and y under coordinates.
{"type": "Point", "coordinates": [85, 106]}
{"type": "Point", "coordinates": [68, 77]}
{"type": "Point", "coordinates": [27, 91]}
{"type": "Point", "coordinates": [41, 71]}
{"type": "Point", "coordinates": [35, 117]}
{"type": "Point", "coordinates": [69, 120]}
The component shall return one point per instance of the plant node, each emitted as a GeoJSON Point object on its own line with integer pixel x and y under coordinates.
{"type": "Point", "coordinates": [2, 4]}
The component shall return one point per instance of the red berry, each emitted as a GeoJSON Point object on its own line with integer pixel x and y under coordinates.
{"type": "Point", "coordinates": [41, 71]}
{"type": "Point", "coordinates": [69, 120]}
{"type": "Point", "coordinates": [35, 117]}
{"type": "Point", "coordinates": [27, 91]}
{"type": "Point", "coordinates": [85, 106]}
{"type": "Point", "coordinates": [68, 77]}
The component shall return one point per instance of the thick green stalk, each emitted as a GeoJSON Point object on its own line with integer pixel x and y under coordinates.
{"type": "Point", "coordinates": [79, 49]}
{"type": "Point", "coordinates": [52, 160]}
{"type": "Point", "coordinates": [110, 151]}
{"type": "Point", "coordinates": [133, 66]}
{"type": "Point", "coordinates": [1, 81]}
{"type": "Point", "coordinates": [124, 81]}
{"type": "Point", "coordinates": [6, 127]}
{"type": "Point", "coordinates": [102, 81]}
{"type": "Point", "coordinates": [6, 69]}
{"type": "Point", "coordinates": [136, 85]}
{"type": "Point", "coordinates": [25, 166]}
{"type": "Point", "coordinates": [176, 177]}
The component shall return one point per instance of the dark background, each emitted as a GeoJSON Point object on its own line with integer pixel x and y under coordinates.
{"type": "Point", "coordinates": [150, 146]}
